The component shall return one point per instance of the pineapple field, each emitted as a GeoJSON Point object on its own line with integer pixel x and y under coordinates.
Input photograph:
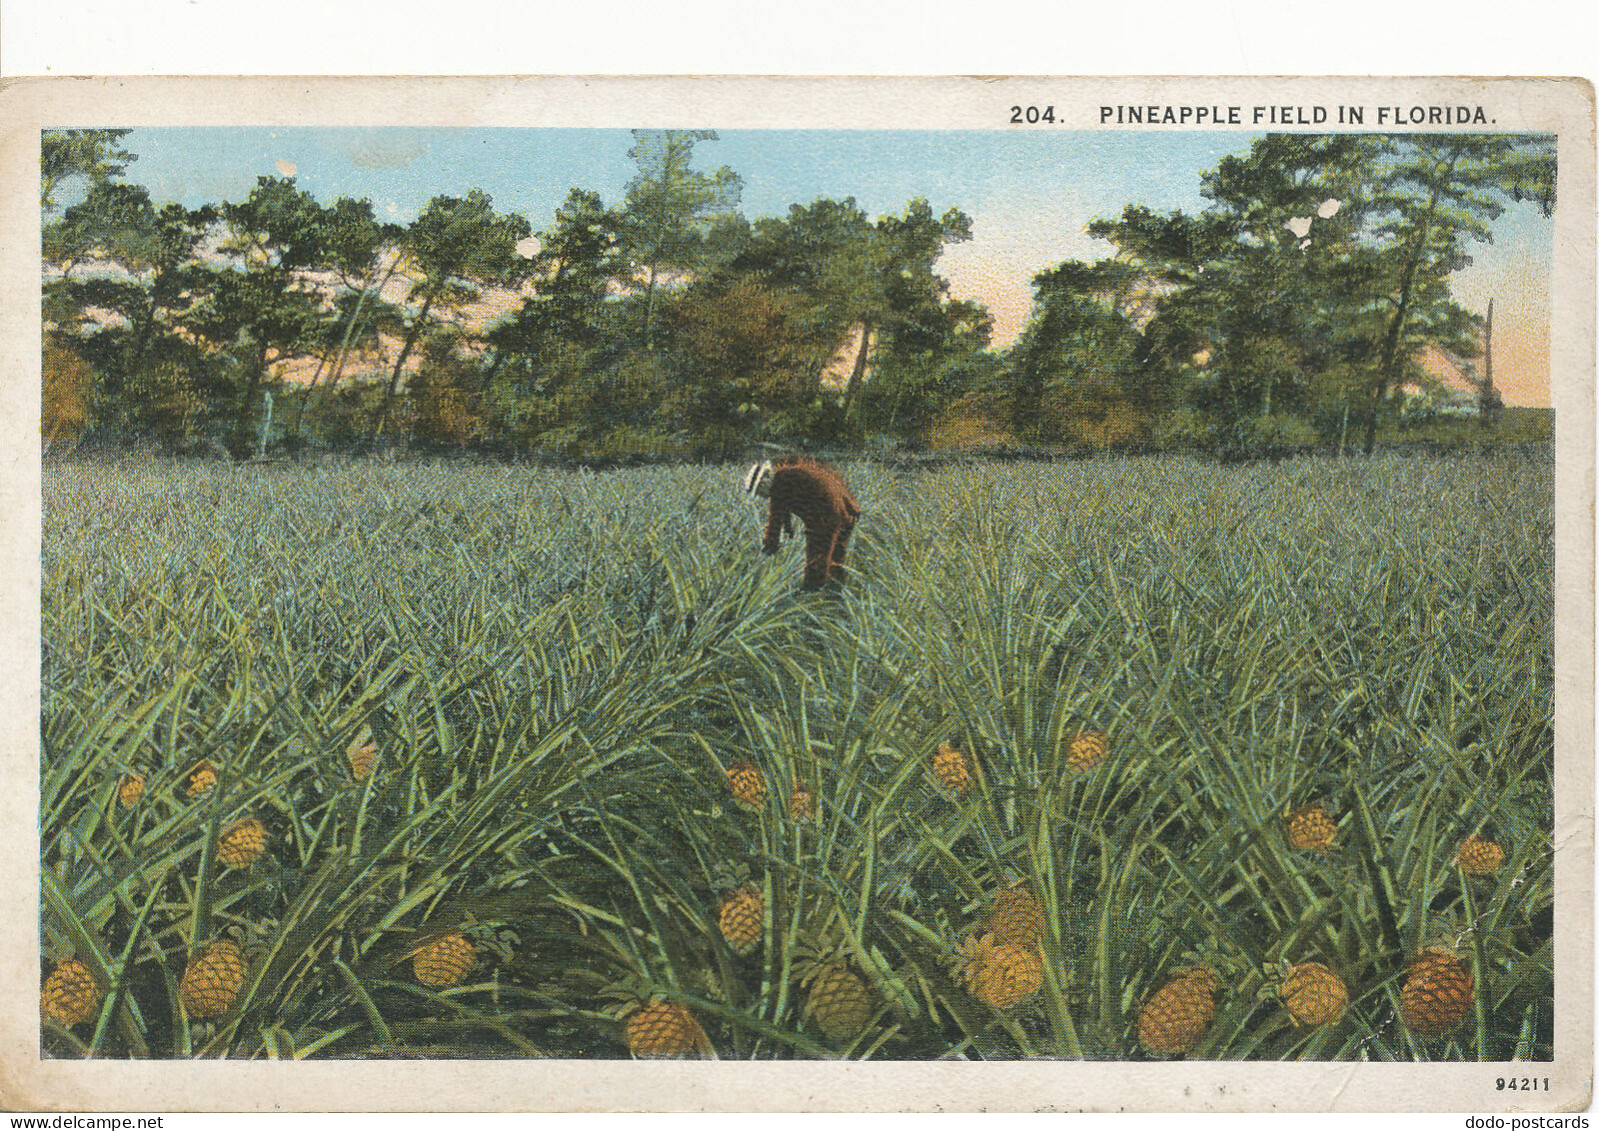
{"type": "Point", "coordinates": [1112, 759]}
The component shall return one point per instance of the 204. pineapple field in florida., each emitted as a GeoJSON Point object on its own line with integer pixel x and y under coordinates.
{"type": "Point", "coordinates": [1105, 759]}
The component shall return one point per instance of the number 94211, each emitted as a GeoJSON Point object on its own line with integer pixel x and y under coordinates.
{"type": "Point", "coordinates": [1522, 1084]}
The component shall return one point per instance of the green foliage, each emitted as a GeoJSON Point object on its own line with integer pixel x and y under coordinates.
{"type": "Point", "coordinates": [1308, 287]}
{"type": "Point", "coordinates": [1077, 367]}
{"type": "Point", "coordinates": [91, 156]}
{"type": "Point", "coordinates": [456, 247]}
{"type": "Point", "coordinates": [579, 258]}
{"type": "Point", "coordinates": [66, 386]}
{"type": "Point", "coordinates": [746, 352]}
{"type": "Point", "coordinates": [871, 285]}
{"type": "Point", "coordinates": [918, 376]}
{"type": "Point", "coordinates": [445, 397]}
{"type": "Point", "coordinates": [128, 281]}
{"type": "Point", "coordinates": [1317, 312]}
{"type": "Point", "coordinates": [1530, 428]}
{"type": "Point", "coordinates": [558, 669]}
{"type": "Point", "coordinates": [262, 306]}
{"type": "Point", "coordinates": [1261, 437]}
{"type": "Point", "coordinates": [670, 209]}
{"type": "Point", "coordinates": [1439, 195]}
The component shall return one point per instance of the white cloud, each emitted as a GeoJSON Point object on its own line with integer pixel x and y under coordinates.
{"type": "Point", "coordinates": [380, 151]}
{"type": "Point", "coordinates": [287, 168]}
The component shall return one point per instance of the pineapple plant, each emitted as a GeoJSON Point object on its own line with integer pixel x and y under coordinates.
{"type": "Point", "coordinates": [213, 978]}
{"type": "Point", "coordinates": [1086, 751]}
{"type": "Point", "coordinates": [130, 789]}
{"type": "Point", "coordinates": [952, 768]}
{"type": "Point", "coordinates": [1477, 855]}
{"type": "Point", "coordinates": [200, 780]}
{"type": "Point", "coordinates": [1174, 1017]}
{"type": "Point", "coordinates": [837, 998]}
{"type": "Point", "coordinates": [707, 985]}
{"type": "Point", "coordinates": [1437, 992]}
{"type": "Point", "coordinates": [1015, 918]}
{"type": "Point", "coordinates": [242, 843]}
{"type": "Point", "coordinates": [664, 1029]}
{"type": "Point", "coordinates": [361, 754]}
{"type": "Point", "coordinates": [801, 803]}
{"type": "Point", "coordinates": [1313, 994]}
{"type": "Point", "coordinates": [443, 960]}
{"type": "Point", "coordinates": [741, 918]}
{"type": "Point", "coordinates": [1311, 828]}
{"type": "Point", "coordinates": [71, 995]}
{"type": "Point", "coordinates": [748, 786]}
{"type": "Point", "coordinates": [1000, 975]}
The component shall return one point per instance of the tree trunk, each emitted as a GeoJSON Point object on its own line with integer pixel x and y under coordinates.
{"type": "Point", "coordinates": [399, 366]}
{"type": "Point", "coordinates": [813, 387]}
{"type": "Point", "coordinates": [488, 383]}
{"type": "Point", "coordinates": [1488, 400]}
{"type": "Point", "coordinates": [1390, 346]}
{"type": "Point", "coordinates": [299, 415]}
{"type": "Point", "coordinates": [1027, 393]}
{"type": "Point", "coordinates": [1026, 399]}
{"type": "Point", "coordinates": [141, 347]}
{"type": "Point", "coordinates": [240, 445]}
{"type": "Point", "coordinates": [116, 384]}
{"type": "Point", "coordinates": [344, 345]}
{"type": "Point", "coordinates": [649, 309]}
{"type": "Point", "coordinates": [1390, 352]}
{"type": "Point", "coordinates": [858, 374]}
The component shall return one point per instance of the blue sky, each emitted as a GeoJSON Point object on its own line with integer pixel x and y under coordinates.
{"type": "Point", "coordinates": [1029, 192]}
{"type": "Point", "coordinates": [530, 171]}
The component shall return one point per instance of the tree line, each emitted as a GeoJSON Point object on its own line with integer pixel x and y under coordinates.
{"type": "Point", "coordinates": [1291, 309]}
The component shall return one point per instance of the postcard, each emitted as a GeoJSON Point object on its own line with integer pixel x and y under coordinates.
{"type": "Point", "coordinates": [1006, 593]}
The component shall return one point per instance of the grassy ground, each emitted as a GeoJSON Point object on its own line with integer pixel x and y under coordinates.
{"type": "Point", "coordinates": [558, 670]}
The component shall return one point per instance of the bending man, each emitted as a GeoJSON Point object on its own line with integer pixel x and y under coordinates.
{"type": "Point", "coordinates": [818, 496]}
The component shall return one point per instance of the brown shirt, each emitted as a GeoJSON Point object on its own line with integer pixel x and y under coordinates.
{"type": "Point", "coordinates": [814, 493]}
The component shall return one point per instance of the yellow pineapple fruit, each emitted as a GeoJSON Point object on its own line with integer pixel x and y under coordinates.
{"type": "Point", "coordinates": [801, 803]}
{"type": "Point", "coordinates": [1174, 1017]}
{"type": "Point", "coordinates": [71, 995]}
{"type": "Point", "coordinates": [952, 769]}
{"type": "Point", "coordinates": [1479, 856]}
{"type": "Point", "coordinates": [1015, 918]}
{"type": "Point", "coordinates": [212, 980]}
{"type": "Point", "coordinates": [361, 754]}
{"type": "Point", "coordinates": [741, 917]}
{"type": "Point", "coordinates": [241, 843]}
{"type": "Point", "coordinates": [1311, 828]}
{"type": "Point", "coordinates": [662, 1028]}
{"type": "Point", "coordinates": [748, 786]}
{"type": "Point", "coordinates": [201, 779]}
{"type": "Point", "coordinates": [1437, 992]}
{"type": "Point", "coordinates": [1085, 753]}
{"type": "Point", "coordinates": [130, 789]}
{"type": "Point", "coordinates": [837, 998]}
{"type": "Point", "coordinates": [1313, 994]}
{"type": "Point", "coordinates": [444, 960]}
{"type": "Point", "coordinates": [1000, 975]}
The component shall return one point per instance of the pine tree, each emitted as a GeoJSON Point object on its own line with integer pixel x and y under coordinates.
{"type": "Point", "coordinates": [670, 207]}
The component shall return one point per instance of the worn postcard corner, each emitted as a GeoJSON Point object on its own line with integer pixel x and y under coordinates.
{"type": "Point", "coordinates": [781, 593]}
